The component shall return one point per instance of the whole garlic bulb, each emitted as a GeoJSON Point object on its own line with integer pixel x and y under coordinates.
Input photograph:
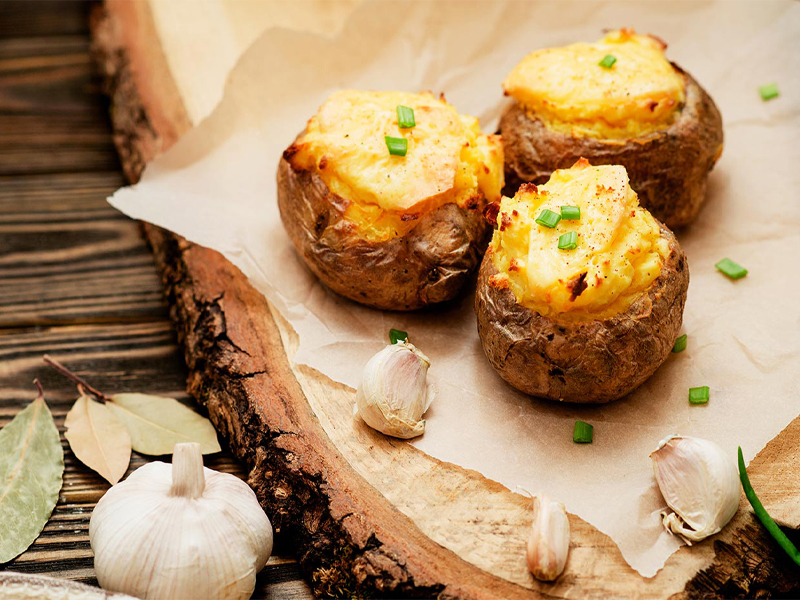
{"type": "Point", "coordinates": [180, 531]}
{"type": "Point", "coordinates": [699, 482]}
{"type": "Point", "coordinates": [394, 393]}
{"type": "Point", "coordinates": [548, 543]}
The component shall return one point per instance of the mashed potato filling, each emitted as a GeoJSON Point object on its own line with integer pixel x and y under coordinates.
{"type": "Point", "coordinates": [620, 248]}
{"type": "Point", "coordinates": [571, 93]}
{"type": "Point", "coordinates": [449, 159]}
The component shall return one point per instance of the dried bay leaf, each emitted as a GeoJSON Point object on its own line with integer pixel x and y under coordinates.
{"type": "Point", "coordinates": [98, 439]}
{"type": "Point", "coordinates": [156, 424]}
{"type": "Point", "coordinates": [31, 466]}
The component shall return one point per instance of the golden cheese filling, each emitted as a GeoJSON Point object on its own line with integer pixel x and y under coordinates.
{"type": "Point", "coordinates": [572, 93]}
{"type": "Point", "coordinates": [449, 159]}
{"type": "Point", "coordinates": [619, 251]}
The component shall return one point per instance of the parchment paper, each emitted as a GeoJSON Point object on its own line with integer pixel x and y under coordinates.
{"type": "Point", "coordinates": [216, 187]}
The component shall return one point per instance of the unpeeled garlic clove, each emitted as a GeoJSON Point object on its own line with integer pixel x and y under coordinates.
{"type": "Point", "coordinates": [700, 484]}
{"type": "Point", "coordinates": [394, 392]}
{"type": "Point", "coordinates": [548, 543]}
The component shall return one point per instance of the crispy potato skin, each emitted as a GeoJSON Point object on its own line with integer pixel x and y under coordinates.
{"type": "Point", "coordinates": [430, 264]}
{"type": "Point", "coordinates": [588, 362]}
{"type": "Point", "coordinates": [668, 169]}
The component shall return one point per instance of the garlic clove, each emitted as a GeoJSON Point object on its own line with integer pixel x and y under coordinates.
{"type": "Point", "coordinates": [700, 484]}
{"type": "Point", "coordinates": [548, 543]}
{"type": "Point", "coordinates": [180, 531]}
{"type": "Point", "coordinates": [394, 392]}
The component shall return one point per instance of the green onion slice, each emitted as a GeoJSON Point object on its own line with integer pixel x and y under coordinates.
{"type": "Point", "coordinates": [698, 395]}
{"type": "Point", "coordinates": [608, 61]}
{"type": "Point", "coordinates": [405, 117]}
{"type": "Point", "coordinates": [763, 516]}
{"type": "Point", "coordinates": [731, 269]}
{"type": "Point", "coordinates": [397, 146]}
{"type": "Point", "coordinates": [583, 433]}
{"type": "Point", "coordinates": [548, 218]}
{"type": "Point", "coordinates": [680, 344]}
{"type": "Point", "coordinates": [395, 335]}
{"type": "Point", "coordinates": [769, 91]}
{"type": "Point", "coordinates": [570, 213]}
{"type": "Point", "coordinates": [568, 241]}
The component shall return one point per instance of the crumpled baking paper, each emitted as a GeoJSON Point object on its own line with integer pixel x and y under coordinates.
{"type": "Point", "coordinates": [216, 187]}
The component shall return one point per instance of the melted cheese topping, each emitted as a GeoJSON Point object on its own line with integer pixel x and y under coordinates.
{"type": "Point", "coordinates": [620, 248]}
{"type": "Point", "coordinates": [571, 93]}
{"type": "Point", "coordinates": [449, 159]}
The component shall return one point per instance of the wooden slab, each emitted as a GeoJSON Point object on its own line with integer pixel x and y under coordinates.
{"type": "Point", "coordinates": [369, 514]}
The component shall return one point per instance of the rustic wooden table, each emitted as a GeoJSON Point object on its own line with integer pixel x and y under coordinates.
{"type": "Point", "coordinates": [76, 278]}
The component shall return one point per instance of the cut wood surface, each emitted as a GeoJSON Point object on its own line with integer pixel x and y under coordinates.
{"type": "Point", "coordinates": [76, 278]}
{"type": "Point", "coordinates": [370, 514]}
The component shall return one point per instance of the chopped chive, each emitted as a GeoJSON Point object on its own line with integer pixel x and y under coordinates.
{"type": "Point", "coordinates": [397, 146]}
{"type": "Point", "coordinates": [698, 395]}
{"type": "Point", "coordinates": [405, 117]}
{"type": "Point", "coordinates": [395, 335]}
{"type": "Point", "coordinates": [768, 522]}
{"type": "Point", "coordinates": [583, 433]}
{"type": "Point", "coordinates": [769, 91]}
{"type": "Point", "coordinates": [680, 344]}
{"type": "Point", "coordinates": [548, 218]}
{"type": "Point", "coordinates": [731, 269]}
{"type": "Point", "coordinates": [568, 241]}
{"type": "Point", "coordinates": [570, 213]}
{"type": "Point", "coordinates": [608, 61]}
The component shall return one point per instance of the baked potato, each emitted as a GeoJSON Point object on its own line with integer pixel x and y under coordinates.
{"type": "Point", "coordinates": [395, 232]}
{"type": "Point", "coordinates": [591, 322]}
{"type": "Point", "coordinates": [641, 112]}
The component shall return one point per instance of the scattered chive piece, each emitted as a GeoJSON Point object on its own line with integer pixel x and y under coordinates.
{"type": "Point", "coordinates": [548, 218]}
{"type": "Point", "coordinates": [763, 516]}
{"type": "Point", "coordinates": [769, 91]}
{"type": "Point", "coordinates": [405, 117]}
{"type": "Point", "coordinates": [698, 395]}
{"type": "Point", "coordinates": [680, 344]}
{"type": "Point", "coordinates": [570, 213]}
{"type": "Point", "coordinates": [731, 269]}
{"type": "Point", "coordinates": [397, 146]}
{"type": "Point", "coordinates": [608, 61]}
{"type": "Point", "coordinates": [583, 433]}
{"type": "Point", "coordinates": [568, 241]}
{"type": "Point", "coordinates": [395, 335]}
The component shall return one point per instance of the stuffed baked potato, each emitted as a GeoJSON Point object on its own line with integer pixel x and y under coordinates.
{"type": "Point", "coordinates": [617, 101]}
{"type": "Point", "coordinates": [590, 321]}
{"type": "Point", "coordinates": [392, 231]}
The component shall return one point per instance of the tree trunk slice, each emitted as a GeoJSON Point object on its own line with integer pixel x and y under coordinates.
{"type": "Point", "coordinates": [373, 515]}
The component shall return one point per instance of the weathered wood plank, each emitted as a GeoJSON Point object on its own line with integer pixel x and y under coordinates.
{"type": "Point", "coordinates": [134, 357]}
{"type": "Point", "coordinates": [48, 75]}
{"type": "Point", "coordinates": [52, 113]}
{"type": "Point", "coordinates": [55, 143]}
{"type": "Point", "coordinates": [21, 18]}
{"type": "Point", "coordinates": [66, 256]}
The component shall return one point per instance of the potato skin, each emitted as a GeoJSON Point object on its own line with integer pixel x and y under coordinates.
{"type": "Point", "coordinates": [430, 264]}
{"type": "Point", "coordinates": [588, 362]}
{"type": "Point", "coordinates": [667, 169]}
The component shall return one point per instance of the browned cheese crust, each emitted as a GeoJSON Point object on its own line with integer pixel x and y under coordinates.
{"type": "Point", "coordinates": [430, 264]}
{"type": "Point", "coordinates": [667, 169]}
{"type": "Point", "coordinates": [588, 362]}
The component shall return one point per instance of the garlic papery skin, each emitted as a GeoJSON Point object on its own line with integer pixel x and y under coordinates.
{"type": "Point", "coordinates": [548, 543]}
{"type": "Point", "coordinates": [394, 392]}
{"type": "Point", "coordinates": [700, 484]}
{"type": "Point", "coordinates": [181, 532]}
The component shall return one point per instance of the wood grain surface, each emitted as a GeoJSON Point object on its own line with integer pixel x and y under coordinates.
{"type": "Point", "coordinates": [351, 540]}
{"type": "Point", "coordinates": [77, 280]}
